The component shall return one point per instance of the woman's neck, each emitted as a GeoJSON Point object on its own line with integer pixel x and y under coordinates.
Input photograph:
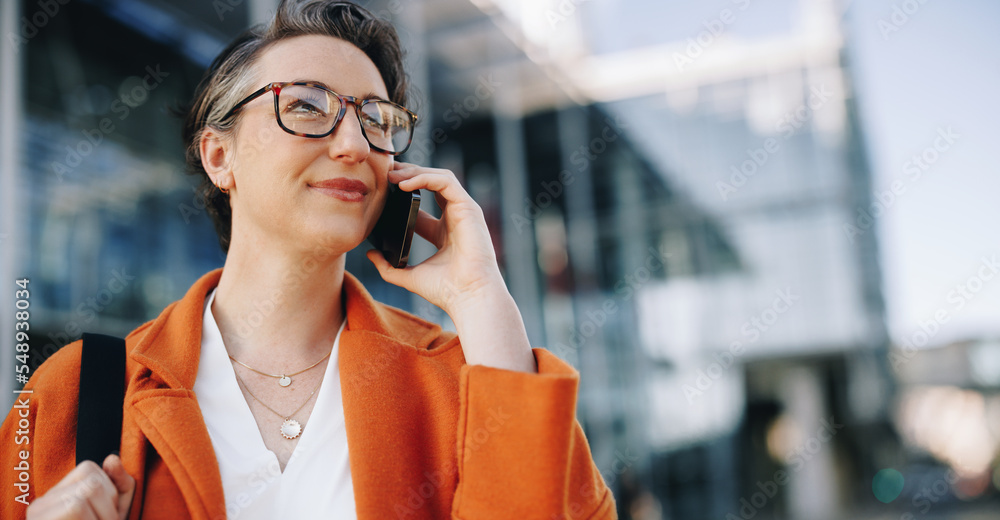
{"type": "Point", "coordinates": [279, 311]}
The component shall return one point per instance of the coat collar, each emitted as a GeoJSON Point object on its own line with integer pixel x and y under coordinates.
{"type": "Point", "coordinates": [156, 345]}
{"type": "Point", "coordinates": [376, 390]}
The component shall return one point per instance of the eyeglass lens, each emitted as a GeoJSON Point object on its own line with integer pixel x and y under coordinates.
{"type": "Point", "coordinates": [313, 111]}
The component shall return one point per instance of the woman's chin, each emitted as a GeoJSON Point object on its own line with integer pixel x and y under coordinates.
{"type": "Point", "coordinates": [332, 235]}
{"type": "Point", "coordinates": [337, 237]}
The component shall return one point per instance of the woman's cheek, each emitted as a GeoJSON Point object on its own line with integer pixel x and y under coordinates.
{"type": "Point", "coordinates": [375, 210]}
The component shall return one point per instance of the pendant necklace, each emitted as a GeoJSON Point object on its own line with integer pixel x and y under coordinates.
{"type": "Point", "coordinates": [284, 380]}
{"type": "Point", "coordinates": [291, 428]}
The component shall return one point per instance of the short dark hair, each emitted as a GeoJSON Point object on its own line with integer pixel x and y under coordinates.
{"type": "Point", "coordinates": [230, 77]}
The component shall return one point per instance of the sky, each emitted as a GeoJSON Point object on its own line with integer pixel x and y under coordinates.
{"type": "Point", "coordinates": [940, 70]}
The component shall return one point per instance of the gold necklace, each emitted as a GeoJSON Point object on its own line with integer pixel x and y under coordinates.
{"type": "Point", "coordinates": [283, 379]}
{"type": "Point", "coordinates": [291, 428]}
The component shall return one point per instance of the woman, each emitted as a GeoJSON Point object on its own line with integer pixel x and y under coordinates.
{"type": "Point", "coordinates": [277, 385]}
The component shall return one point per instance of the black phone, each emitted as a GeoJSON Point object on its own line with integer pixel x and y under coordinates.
{"type": "Point", "coordinates": [393, 233]}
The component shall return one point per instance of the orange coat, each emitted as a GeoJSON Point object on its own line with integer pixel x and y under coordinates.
{"type": "Point", "coordinates": [428, 435]}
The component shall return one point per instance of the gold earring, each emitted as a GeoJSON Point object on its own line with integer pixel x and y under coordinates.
{"type": "Point", "coordinates": [223, 190]}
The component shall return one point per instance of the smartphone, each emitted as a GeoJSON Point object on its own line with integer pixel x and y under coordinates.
{"type": "Point", "coordinates": [393, 233]}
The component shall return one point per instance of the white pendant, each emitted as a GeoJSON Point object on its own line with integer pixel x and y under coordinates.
{"type": "Point", "coordinates": [291, 429]}
{"type": "Point", "coordinates": [285, 381]}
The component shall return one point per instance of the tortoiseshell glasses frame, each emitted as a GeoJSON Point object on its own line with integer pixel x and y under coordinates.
{"type": "Point", "coordinates": [386, 137]}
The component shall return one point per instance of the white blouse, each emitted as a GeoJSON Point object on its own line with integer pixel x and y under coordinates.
{"type": "Point", "coordinates": [316, 482]}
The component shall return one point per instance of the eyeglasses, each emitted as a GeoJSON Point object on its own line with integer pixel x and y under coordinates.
{"type": "Point", "coordinates": [310, 109]}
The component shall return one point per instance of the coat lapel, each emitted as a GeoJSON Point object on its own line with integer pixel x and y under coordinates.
{"type": "Point", "coordinates": [164, 406]}
{"type": "Point", "coordinates": [172, 421]}
{"type": "Point", "coordinates": [401, 443]}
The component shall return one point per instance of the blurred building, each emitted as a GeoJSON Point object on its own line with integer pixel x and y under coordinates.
{"type": "Point", "coordinates": [689, 200]}
{"type": "Point", "coordinates": [676, 213]}
{"type": "Point", "coordinates": [671, 218]}
{"type": "Point", "coordinates": [104, 222]}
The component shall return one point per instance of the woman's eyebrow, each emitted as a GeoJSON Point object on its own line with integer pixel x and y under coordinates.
{"type": "Point", "coordinates": [372, 95]}
{"type": "Point", "coordinates": [368, 95]}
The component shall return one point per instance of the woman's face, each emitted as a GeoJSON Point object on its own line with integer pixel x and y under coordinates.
{"type": "Point", "coordinates": [278, 198]}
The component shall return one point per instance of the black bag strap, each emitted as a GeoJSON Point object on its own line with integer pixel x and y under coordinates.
{"type": "Point", "coordinates": [102, 396]}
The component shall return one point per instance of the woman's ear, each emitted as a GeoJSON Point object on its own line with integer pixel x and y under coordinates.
{"type": "Point", "coordinates": [215, 154]}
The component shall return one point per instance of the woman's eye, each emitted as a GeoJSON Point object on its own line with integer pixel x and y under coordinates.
{"type": "Point", "coordinates": [375, 124]}
{"type": "Point", "coordinates": [304, 107]}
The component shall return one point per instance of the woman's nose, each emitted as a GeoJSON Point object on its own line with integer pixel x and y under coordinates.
{"type": "Point", "coordinates": [347, 140]}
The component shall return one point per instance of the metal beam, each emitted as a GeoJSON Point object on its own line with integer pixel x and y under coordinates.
{"type": "Point", "coordinates": [518, 244]}
{"type": "Point", "coordinates": [12, 212]}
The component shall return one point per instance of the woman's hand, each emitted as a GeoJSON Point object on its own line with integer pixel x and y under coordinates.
{"type": "Point", "coordinates": [465, 265]}
{"type": "Point", "coordinates": [89, 492]}
{"type": "Point", "coordinates": [462, 277]}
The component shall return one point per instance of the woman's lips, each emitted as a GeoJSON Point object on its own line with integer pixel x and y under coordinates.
{"type": "Point", "coordinates": [350, 190]}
